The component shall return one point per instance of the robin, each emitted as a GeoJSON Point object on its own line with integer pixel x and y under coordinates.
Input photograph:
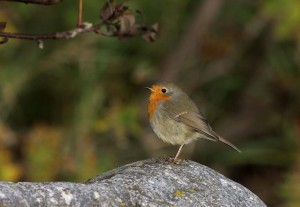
{"type": "Point", "coordinates": [175, 118]}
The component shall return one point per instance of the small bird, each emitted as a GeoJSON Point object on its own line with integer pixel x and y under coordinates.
{"type": "Point", "coordinates": [175, 118]}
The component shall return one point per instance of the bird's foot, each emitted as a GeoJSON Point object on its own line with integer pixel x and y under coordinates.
{"type": "Point", "coordinates": [170, 160]}
{"type": "Point", "coordinates": [175, 161]}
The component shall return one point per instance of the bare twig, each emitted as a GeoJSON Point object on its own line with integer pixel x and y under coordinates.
{"type": "Point", "coordinates": [79, 20]}
{"type": "Point", "coordinates": [118, 20]}
{"type": "Point", "coordinates": [85, 27]}
{"type": "Point", "coordinates": [44, 2]}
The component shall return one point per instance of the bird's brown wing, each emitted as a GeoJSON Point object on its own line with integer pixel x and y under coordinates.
{"type": "Point", "coordinates": [195, 120]}
{"type": "Point", "coordinates": [198, 122]}
{"type": "Point", "coordinates": [176, 110]}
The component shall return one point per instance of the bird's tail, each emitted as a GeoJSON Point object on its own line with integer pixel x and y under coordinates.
{"type": "Point", "coordinates": [228, 143]}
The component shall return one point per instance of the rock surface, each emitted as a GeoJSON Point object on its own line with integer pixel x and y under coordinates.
{"type": "Point", "coordinates": [153, 182]}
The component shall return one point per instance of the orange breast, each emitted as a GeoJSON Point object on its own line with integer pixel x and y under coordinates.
{"type": "Point", "coordinates": [152, 106]}
{"type": "Point", "coordinates": [155, 97]}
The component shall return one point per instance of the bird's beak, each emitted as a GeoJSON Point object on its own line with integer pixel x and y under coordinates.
{"type": "Point", "coordinates": [151, 89]}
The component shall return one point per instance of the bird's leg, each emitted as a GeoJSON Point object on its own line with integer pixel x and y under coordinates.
{"type": "Point", "coordinates": [178, 152]}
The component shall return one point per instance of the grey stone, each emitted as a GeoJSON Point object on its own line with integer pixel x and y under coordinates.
{"type": "Point", "coordinates": [153, 182]}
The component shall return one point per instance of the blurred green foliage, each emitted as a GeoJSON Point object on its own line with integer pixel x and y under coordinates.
{"type": "Point", "coordinates": [78, 107]}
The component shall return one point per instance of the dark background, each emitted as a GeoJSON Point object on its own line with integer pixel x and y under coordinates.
{"type": "Point", "coordinates": [79, 107]}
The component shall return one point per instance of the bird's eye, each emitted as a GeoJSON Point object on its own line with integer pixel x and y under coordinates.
{"type": "Point", "coordinates": [164, 90]}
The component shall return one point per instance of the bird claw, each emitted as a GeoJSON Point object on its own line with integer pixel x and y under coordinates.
{"type": "Point", "coordinates": [170, 160]}
{"type": "Point", "coordinates": [174, 161]}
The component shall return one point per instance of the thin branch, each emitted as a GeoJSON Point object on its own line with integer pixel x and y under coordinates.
{"type": "Point", "coordinates": [44, 2]}
{"type": "Point", "coordinates": [85, 27]}
{"type": "Point", "coordinates": [79, 20]}
{"type": "Point", "coordinates": [118, 20]}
